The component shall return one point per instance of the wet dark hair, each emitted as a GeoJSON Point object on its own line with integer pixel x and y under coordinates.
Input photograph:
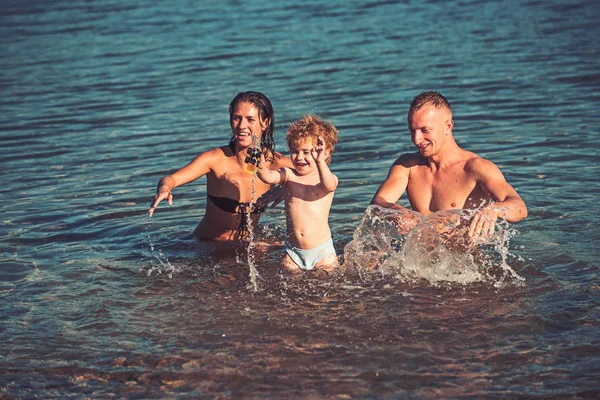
{"type": "Point", "coordinates": [431, 98]}
{"type": "Point", "coordinates": [265, 110]}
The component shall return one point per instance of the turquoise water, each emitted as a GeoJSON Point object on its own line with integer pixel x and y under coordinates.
{"type": "Point", "coordinates": [100, 99]}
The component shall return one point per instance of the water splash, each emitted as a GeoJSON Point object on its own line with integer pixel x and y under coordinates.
{"type": "Point", "coordinates": [165, 265]}
{"type": "Point", "coordinates": [250, 256]}
{"type": "Point", "coordinates": [381, 233]}
{"type": "Point", "coordinates": [436, 249]}
{"type": "Point", "coordinates": [248, 216]}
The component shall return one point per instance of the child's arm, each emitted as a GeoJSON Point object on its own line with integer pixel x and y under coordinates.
{"type": "Point", "coordinates": [329, 181]}
{"type": "Point", "coordinates": [268, 175]}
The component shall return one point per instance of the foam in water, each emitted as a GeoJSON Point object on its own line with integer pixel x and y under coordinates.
{"type": "Point", "coordinates": [436, 248]}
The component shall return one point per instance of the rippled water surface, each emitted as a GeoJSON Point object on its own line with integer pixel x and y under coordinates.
{"type": "Point", "coordinates": [102, 98]}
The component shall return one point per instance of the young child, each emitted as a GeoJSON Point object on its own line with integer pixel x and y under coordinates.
{"type": "Point", "coordinates": [308, 193]}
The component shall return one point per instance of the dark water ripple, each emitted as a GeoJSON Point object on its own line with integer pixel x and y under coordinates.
{"type": "Point", "coordinates": [100, 99]}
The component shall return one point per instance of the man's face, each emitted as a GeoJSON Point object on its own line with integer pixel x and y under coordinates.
{"type": "Point", "coordinates": [429, 128]}
{"type": "Point", "coordinates": [245, 122]}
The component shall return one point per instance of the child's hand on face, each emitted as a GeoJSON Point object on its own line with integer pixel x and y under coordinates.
{"type": "Point", "coordinates": [319, 153]}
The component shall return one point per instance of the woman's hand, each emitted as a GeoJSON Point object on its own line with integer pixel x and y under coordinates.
{"type": "Point", "coordinates": [162, 193]}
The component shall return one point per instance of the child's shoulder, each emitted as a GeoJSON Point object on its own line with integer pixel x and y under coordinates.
{"type": "Point", "coordinates": [290, 174]}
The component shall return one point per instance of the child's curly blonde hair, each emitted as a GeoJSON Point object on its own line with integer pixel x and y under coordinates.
{"type": "Point", "coordinates": [311, 127]}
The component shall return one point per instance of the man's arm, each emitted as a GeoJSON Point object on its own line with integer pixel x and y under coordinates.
{"type": "Point", "coordinates": [393, 187]}
{"type": "Point", "coordinates": [507, 205]}
{"type": "Point", "coordinates": [390, 192]}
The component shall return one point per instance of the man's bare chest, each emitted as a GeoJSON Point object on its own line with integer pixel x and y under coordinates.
{"type": "Point", "coordinates": [430, 192]}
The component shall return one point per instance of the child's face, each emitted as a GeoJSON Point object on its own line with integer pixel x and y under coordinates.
{"type": "Point", "coordinates": [301, 158]}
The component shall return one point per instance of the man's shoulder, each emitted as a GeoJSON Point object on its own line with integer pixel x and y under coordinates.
{"type": "Point", "coordinates": [474, 161]}
{"type": "Point", "coordinates": [408, 160]}
{"type": "Point", "coordinates": [479, 166]}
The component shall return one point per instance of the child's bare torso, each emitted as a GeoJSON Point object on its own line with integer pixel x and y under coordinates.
{"type": "Point", "coordinates": [307, 207]}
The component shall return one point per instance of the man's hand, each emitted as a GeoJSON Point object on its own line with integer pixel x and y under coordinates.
{"type": "Point", "coordinates": [161, 194]}
{"type": "Point", "coordinates": [483, 222]}
{"type": "Point", "coordinates": [404, 221]}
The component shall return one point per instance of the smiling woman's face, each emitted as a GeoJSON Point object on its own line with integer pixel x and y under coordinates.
{"type": "Point", "coordinates": [245, 122]}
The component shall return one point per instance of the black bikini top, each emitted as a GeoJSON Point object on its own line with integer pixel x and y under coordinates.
{"type": "Point", "coordinates": [235, 207]}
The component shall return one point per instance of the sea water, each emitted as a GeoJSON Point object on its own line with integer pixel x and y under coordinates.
{"type": "Point", "coordinates": [102, 98]}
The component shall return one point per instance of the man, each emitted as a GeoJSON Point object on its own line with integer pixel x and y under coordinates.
{"type": "Point", "coordinates": [442, 176]}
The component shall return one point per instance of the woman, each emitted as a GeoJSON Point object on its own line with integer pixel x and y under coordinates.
{"type": "Point", "coordinates": [232, 191]}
